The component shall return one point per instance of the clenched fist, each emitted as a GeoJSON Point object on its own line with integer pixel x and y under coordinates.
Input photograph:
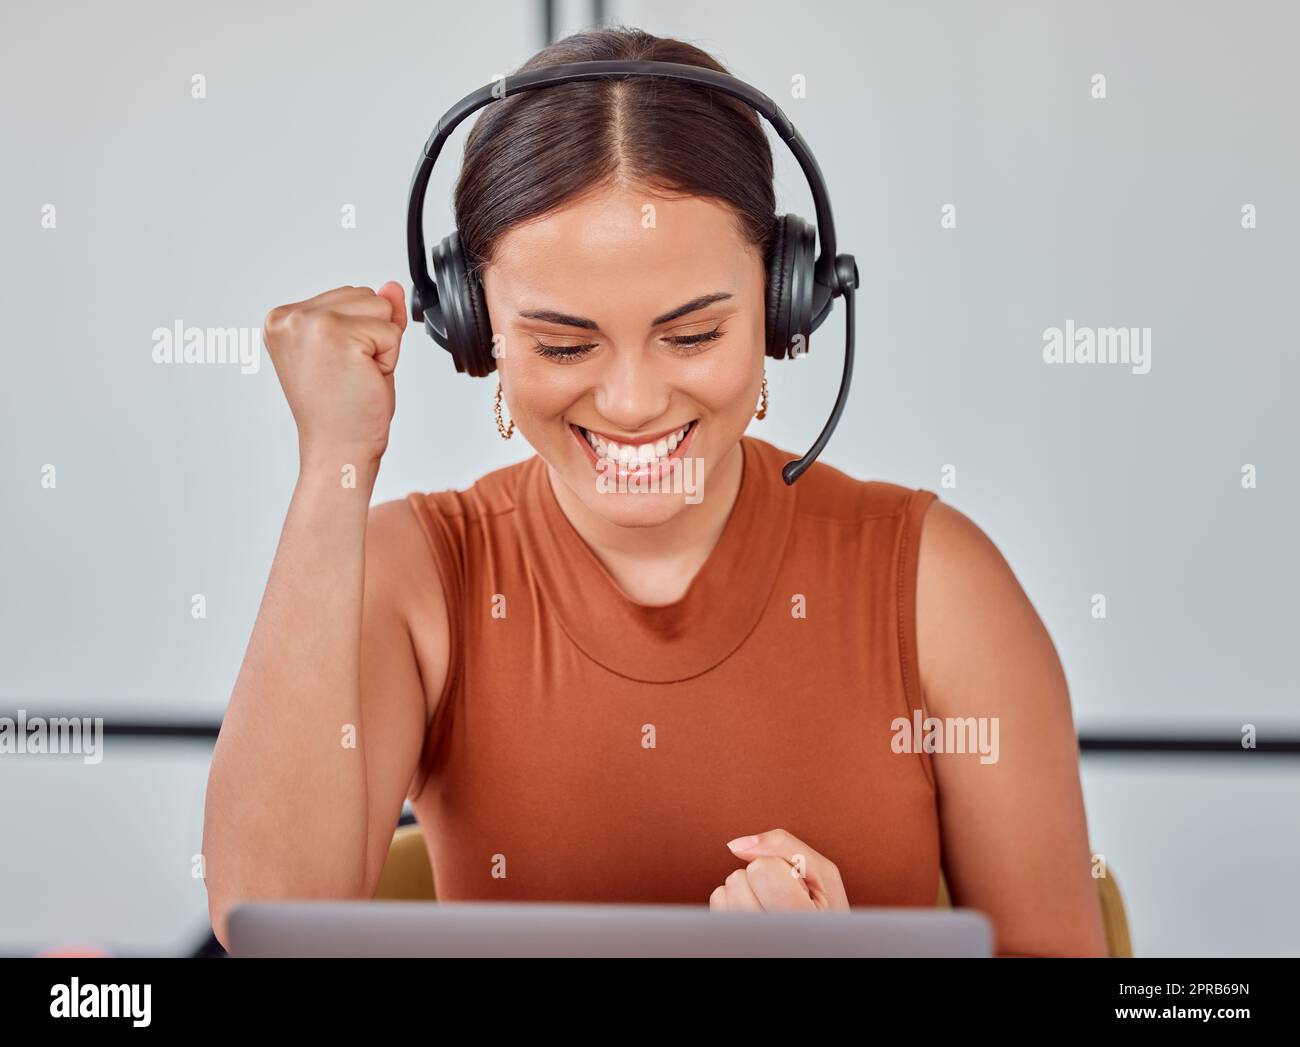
{"type": "Point", "coordinates": [334, 355]}
{"type": "Point", "coordinates": [782, 874]}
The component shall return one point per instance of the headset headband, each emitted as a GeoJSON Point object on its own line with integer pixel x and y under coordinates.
{"type": "Point", "coordinates": [832, 274]}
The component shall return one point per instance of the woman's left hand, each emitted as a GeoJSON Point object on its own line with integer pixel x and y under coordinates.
{"type": "Point", "coordinates": [782, 874]}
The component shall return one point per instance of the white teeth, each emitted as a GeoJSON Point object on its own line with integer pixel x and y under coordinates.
{"type": "Point", "coordinates": [637, 456]}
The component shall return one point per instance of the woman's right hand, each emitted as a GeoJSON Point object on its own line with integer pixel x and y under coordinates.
{"type": "Point", "coordinates": [334, 355]}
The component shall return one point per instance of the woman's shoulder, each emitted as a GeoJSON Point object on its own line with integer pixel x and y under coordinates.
{"type": "Point", "coordinates": [828, 492]}
{"type": "Point", "coordinates": [955, 567]}
{"type": "Point", "coordinates": [969, 601]}
{"type": "Point", "coordinates": [498, 491]}
{"type": "Point", "coordinates": [429, 531]}
{"type": "Point", "coordinates": [956, 571]}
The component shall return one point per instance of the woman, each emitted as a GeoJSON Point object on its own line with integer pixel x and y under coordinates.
{"type": "Point", "coordinates": [715, 691]}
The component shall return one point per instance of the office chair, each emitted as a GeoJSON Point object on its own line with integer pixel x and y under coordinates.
{"type": "Point", "coordinates": [407, 875]}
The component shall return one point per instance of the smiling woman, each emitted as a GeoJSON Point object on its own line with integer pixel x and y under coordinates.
{"type": "Point", "coordinates": [629, 694]}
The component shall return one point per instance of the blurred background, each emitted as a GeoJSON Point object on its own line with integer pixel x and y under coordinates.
{"type": "Point", "coordinates": [128, 204]}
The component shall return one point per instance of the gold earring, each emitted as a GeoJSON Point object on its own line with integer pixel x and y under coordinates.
{"type": "Point", "coordinates": [761, 413]}
{"type": "Point", "coordinates": [501, 426]}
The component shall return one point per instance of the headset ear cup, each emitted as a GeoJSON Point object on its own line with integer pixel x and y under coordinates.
{"type": "Point", "coordinates": [803, 268]}
{"type": "Point", "coordinates": [776, 291]}
{"type": "Point", "coordinates": [462, 310]}
{"type": "Point", "coordinates": [789, 287]}
{"type": "Point", "coordinates": [480, 326]}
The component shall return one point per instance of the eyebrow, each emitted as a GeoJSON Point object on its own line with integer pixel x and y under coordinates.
{"type": "Point", "coordinates": [565, 320]}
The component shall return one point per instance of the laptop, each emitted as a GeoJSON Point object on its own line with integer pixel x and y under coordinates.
{"type": "Point", "coordinates": [563, 929]}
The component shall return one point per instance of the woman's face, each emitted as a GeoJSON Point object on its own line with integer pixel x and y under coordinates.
{"type": "Point", "coordinates": [621, 320]}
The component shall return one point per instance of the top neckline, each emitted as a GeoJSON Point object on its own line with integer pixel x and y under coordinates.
{"type": "Point", "coordinates": [721, 606]}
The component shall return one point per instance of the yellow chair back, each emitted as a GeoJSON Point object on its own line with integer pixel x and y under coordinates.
{"type": "Point", "coordinates": [407, 875]}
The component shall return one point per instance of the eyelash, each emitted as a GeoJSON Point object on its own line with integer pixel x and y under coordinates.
{"type": "Point", "coordinates": [686, 344]}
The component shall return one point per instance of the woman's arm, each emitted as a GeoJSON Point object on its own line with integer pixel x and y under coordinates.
{"type": "Point", "coordinates": [325, 725]}
{"type": "Point", "coordinates": [1015, 836]}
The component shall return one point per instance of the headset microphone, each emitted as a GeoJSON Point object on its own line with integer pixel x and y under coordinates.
{"type": "Point", "coordinates": [800, 289]}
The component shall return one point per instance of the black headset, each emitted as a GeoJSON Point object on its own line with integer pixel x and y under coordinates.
{"type": "Point", "coordinates": [800, 291]}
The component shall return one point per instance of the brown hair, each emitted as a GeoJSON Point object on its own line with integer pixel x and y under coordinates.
{"type": "Point", "coordinates": [529, 153]}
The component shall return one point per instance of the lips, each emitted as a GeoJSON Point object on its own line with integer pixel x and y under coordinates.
{"type": "Point", "coordinates": [638, 441]}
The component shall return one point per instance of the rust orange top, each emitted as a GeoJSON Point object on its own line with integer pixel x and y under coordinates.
{"type": "Point", "coordinates": [595, 749]}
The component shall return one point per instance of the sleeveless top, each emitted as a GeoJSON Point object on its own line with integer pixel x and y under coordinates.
{"type": "Point", "coordinates": [588, 748]}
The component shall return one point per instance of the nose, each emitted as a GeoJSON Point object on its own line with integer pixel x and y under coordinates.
{"type": "Point", "coordinates": [629, 393]}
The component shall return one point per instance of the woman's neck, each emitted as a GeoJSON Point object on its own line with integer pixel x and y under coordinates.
{"type": "Point", "coordinates": [655, 564]}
